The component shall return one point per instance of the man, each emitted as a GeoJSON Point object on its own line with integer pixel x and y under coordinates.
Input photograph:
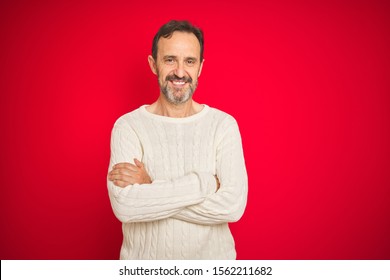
{"type": "Point", "coordinates": [177, 172]}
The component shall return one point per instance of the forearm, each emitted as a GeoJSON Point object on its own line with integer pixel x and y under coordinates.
{"type": "Point", "coordinates": [160, 199]}
{"type": "Point", "coordinates": [226, 205]}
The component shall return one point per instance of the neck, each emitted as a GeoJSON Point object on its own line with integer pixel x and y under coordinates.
{"type": "Point", "coordinates": [164, 108]}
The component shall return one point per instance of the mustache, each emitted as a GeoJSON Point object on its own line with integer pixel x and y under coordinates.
{"type": "Point", "coordinates": [173, 77]}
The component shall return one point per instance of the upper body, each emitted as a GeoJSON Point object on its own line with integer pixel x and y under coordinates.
{"type": "Point", "coordinates": [177, 173]}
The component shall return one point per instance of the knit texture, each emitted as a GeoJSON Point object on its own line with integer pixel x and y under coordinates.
{"type": "Point", "coordinates": [180, 215]}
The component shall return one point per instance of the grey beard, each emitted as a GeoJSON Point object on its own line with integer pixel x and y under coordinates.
{"type": "Point", "coordinates": [177, 99]}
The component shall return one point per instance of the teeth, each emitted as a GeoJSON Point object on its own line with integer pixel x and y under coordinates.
{"type": "Point", "coordinates": [178, 83]}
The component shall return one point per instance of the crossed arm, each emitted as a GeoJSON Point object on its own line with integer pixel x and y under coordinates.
{"type": "Point", "coordinates": [125, 174]}
{"type": "Point", "coordinates": [198, 197]}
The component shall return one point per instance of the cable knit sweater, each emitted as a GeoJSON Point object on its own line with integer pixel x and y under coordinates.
{"type": "Point", "coordinates": [180, 215]}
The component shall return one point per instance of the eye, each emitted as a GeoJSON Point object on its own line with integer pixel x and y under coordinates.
{"type": "Point", "coordinates": [190, 62]}
{"type": "Point", "coordinates": [169, 60]}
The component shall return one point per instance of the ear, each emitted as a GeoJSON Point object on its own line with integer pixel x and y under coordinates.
{"type": "Point", "coordinates": [152, 64]}
{"type": "Point", "coordinates": [200, 68]}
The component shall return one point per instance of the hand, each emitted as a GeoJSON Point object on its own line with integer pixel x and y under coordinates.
{"type": "Point", "coordinates": [124, 174]}
{"type": "Point", "coordinates": [218, 183]}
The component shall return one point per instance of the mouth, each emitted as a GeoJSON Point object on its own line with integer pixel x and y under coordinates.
{"type": "Point", "coordinates": [178, 83]}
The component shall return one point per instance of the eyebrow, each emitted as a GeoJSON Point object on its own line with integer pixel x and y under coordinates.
{"type": "Point", "coordinates": [169, 56]}
{"type": "Point", "coordinates": [174, 56]}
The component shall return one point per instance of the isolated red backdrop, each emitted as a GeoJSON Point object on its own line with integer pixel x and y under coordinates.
{"type": "Point", "coordinates": [307, 82]}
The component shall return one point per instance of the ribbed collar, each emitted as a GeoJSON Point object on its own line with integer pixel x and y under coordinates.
{"type": "Point", "coordinates": [191, 118]}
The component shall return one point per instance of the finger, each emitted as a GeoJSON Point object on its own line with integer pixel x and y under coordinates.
{"type": "Point", "coordinates": [138, 163]}
{"type": "Point", "coordinates": [121, 177]}
{"type": "Point", "coordinates": [121, 172]}
{"type": "Point", "coordinates": [121, 184]}
{"type": "Point", "coordinates": [127, 166]}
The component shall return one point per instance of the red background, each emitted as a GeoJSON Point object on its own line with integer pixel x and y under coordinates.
{"type": "Point", "coordinates": [307, 82]}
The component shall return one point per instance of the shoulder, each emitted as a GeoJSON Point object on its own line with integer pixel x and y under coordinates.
{"type": "Point", "coordinates": [222, 118]}
{"type": "Point", "coordinates": [226, 126]}
{"type": "Point", "coordinates": [129, 119]}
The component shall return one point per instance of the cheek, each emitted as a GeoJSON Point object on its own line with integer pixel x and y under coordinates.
{"type": "Point", "coordinates": [194, 75]}
{"type": "Point", "coordinates": [161, 75]}
{"type": "Point", "coordinates": [165, 72]}
{"type": "Point", "coordinates": [196, 72]}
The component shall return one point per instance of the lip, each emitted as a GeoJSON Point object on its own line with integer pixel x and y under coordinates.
{"type": "Point", "coordinates": [178, 83]}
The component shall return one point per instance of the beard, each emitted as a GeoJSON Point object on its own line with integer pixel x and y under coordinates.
{"type": "Point", "coordinates": [174, 95]}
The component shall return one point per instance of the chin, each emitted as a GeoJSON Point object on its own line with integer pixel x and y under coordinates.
{"type": "Point", "coordinates": [177, 99]}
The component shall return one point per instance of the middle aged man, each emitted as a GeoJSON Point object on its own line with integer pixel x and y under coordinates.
{"type": "Point", "coordinates": [177, 172]}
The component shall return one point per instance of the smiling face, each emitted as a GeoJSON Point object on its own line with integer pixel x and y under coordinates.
{"type": "Point", "coordinates": [177, 66]}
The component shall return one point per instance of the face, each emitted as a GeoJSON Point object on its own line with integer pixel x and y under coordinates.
{"type": "Point", "coordinates": [177, 66]}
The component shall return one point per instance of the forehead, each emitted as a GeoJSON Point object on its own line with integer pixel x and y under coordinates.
{"type": "Point", "coordinates": [179, 44]}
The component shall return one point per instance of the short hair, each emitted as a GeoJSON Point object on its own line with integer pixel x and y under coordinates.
{"type": "Point", "coordinates": [167, 30]}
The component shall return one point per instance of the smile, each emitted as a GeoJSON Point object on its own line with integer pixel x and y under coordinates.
{"type": "Point", "coordinates": [178, 83]}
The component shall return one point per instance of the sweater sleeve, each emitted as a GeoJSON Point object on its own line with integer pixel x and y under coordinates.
{"type": "Point", "coordinates": [228, 203]}
{"type": "Point", "coordinates": [158, 200]}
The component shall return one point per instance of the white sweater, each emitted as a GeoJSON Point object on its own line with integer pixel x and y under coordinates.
{"type": "Point", "coordinates": [180, 215]}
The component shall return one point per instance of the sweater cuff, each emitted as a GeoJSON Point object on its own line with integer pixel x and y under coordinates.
{"type": "Point", "coordinates": [208, 182]}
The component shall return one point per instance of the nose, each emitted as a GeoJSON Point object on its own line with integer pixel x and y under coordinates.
{"type": "Point", "coordinates": [179, 71]}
